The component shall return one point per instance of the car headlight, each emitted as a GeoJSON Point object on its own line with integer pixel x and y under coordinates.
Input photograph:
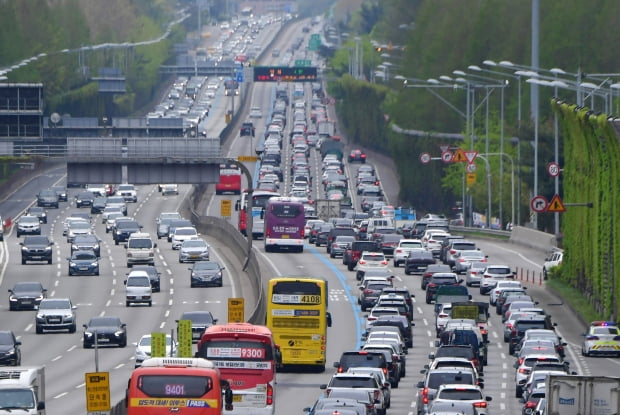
{"type": "Point", "coordinates": [24, 249]}
{"type": "Point", "coordinates": [48, 248]}
{"type": "Point", "coordinates": [39, 298]}
{"type": "Point", "coordinates": [79, 200]}
{"type": "Point", "coordinates": [12, 298]}
{"type": "Point", "coordinates": [94, 264]}
{"type": "Point", "coordinates": [40, 315]}
{"type": "Point", "coordinates": [68, 315]}
{"type": "Point", "coordinates": [72, 264]}
{"type": "Point", "coordinates": [118, 333]}
{"type": "Point", "coordinates": [74, 248]}
{"type": "Point", "coordinates": [88, 334]}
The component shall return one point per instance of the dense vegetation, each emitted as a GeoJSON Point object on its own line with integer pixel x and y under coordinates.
{"type": "Point", "coordinates": [428, 39]}
{"type": "Point", "coordinates": [29, 28]}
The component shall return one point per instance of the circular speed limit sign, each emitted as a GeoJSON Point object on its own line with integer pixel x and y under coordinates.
{"type": "Point", "coordinates": [553, 169]}
{"type": "Point", "coordinates": [425, 158]}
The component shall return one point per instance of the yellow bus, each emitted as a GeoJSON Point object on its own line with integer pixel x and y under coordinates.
{"type": "Point", "coordinates": [298, 318]}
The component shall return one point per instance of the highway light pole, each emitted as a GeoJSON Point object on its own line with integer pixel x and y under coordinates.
{"type": "Point", "coordinates": [517, 142]}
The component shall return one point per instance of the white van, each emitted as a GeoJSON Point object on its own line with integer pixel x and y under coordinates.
{"type": "Point", "coordinates": [385, 224]}
{"type": "Point", "coordinates": [138, 288]}
{"type": "Point", "coordinates": [140, 249]}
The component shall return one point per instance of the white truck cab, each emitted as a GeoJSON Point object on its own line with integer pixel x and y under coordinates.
{"type": "Point", "coordinates": [140, 249]}
{"type": "Point", "coordinates": [22, 390]}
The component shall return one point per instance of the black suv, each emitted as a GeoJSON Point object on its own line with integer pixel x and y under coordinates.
{"type": "Point", "coordinates": [525, 323]}
{"type": "Point", "coordinates": [85, 243]}
{"type": "Point", "coordinates": [418, 261]}
{"type": "Point", "coordinates": [361, 358]}
{"type": "Point", "coordinates": [437, 280]}
{"type": "Point", "coordinates": [401, 322]}
{"type": "Point", "coordinates": [123, 229]}
{"type": "Point", "coordinates": [247, 128]}
{"type": "Point", "coordinates": [10, 353]}
{"type": "Point", "coordinates": [47, 198]}
{"type": "Point", "coordinates": [430, 271]}
{"type": "Point", "coordinates": [26, 295]}
{"type": "Point", "coordinates": [84, 199]}
{"type": "Point", "coordinates": [37, 248]}
{"type": "Point", "coordinates": [352, 254]}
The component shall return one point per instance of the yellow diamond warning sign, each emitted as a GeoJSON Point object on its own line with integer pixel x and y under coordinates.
{"type": "Point", "coordinates": [556, 205]}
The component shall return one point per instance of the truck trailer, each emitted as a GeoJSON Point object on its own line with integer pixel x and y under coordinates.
{"type": "Point", "coordinates": [578, 395]}
{"type": "Point", "coordinates": [22, 388]}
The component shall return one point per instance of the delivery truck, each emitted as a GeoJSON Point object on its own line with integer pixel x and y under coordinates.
{"type": "Point", "coordinates": [577, 395]}
{"type": "Point", "coordinates": [22, 389]}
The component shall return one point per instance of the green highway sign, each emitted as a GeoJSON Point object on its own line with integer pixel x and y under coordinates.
{"type": "Point", "coordinates": [303, 62]}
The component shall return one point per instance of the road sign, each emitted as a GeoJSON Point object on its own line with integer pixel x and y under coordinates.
{"type": "Point", "coordinates": [471, 168]}
{"type": "Point", "coordinates": [97, 391]}
{"type": "Point", "coordinates": [236, 307]}
{"type": "Point", "coordinates": [303, 62]}
{"type": "Point", "coordinates": [443, 147]}
{"type": "Point", "coordinates": [470, 179]}
{"type": "Point", "coordinates": [158, 344]}
{"type": "Point", "coordinates": [446, 156]}
{"type": "Point", "coordinates": [225, 208]}
{"type": "Point", "coordinates": [556, 205]}
{"type": "Point", "coordinates": [239, 76]}
{"type": "Point", "coordinates": [539, 204]}
{"type": "Point", "coordinates": [471, 156]}
{"type": "Point", "coordinates": [459, 156]}
{"type": "Point", "coordinates": [553, 169]}
{"type": "Point", "coordinates": [247, 158]}
{"type": "Point", "coordinates": [285, 73]}
{"type": "Point", "coordinates": [425, 158]}
{"type": "Point", "coordinates": [184, 337]}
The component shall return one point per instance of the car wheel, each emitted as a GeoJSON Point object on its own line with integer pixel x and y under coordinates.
{"type": "Point", "coordinates": [192, 285]}
{"type": "Point", "coordinates": [350, 266]}
{"type": "Point", "coordinates": [72, 329]}
{"type": "Point", "coordinates": [150, 303]}
{"type": "Point", "coordinates": [39, 330]}
{"type": "Point", "coordinates": [127, 303]}
{"type": "Point", "coordinates": [407, 271]}
{"type": "Point", "coordinates": [428, 300]}
{"type": "Point", "coordinates": [24, 261]}
{"type": "Point", "coordinates": [584, 353]}
{"type": "Point", "coordinates": [331, 255]}
{"type": "Point", "coordinates": [123, 344]}
{"type": "Point", "coordinates": [97, 273]}
{"type": "Point", "coordinates": [518, 392]}
{"type": "Point", "coordinates": [86, 345]}
{"type": "Point", "coordinates": [70, 273]}
{"type": "Point", "coordinates": [116, 242]}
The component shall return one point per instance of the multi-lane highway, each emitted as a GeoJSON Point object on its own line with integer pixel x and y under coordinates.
{"type": "Point", "coordinates": [67, 361]}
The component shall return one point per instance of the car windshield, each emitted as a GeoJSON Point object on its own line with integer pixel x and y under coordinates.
{"type": "Point", "coordinates": [460, 394]}
{"type": "Point", "coordinates": [127, 224]}
{"type": "Point", "coordinates": [29, 219]}
{"type": "Point", "coordinates": [115, 200]}
{"type": "Point", "coordinates": [498, 270]}
{"type": "Point", "coordinates": [198, 317]}
{"type": "Point", "coordinates": [55, 304]}
{"type": "Point", "coordinates": [27, 286]}
{"type": "Point", "coordinates": [139, 281]}
{"type": "Point", "coordinates": [436, 379]}
{"type": "Point", "coordinates": [36, 240]}
{"type": "Point", "coordinates": [146, 341]}
{"type": "Point", "coordinates": [193, 243]}
{"type": "Point", "coordinates": [6, 338]}
{"type": "Point", "coordinates": [206, 265]}
{"type": "Point", "coordinates": [80, 225]}
{"type": "Point", "coordinates": [185, 231]}
{"type": "Point", "coordinates": [84, 256]}
{"type": "Point", "coordinates": [104, 322]}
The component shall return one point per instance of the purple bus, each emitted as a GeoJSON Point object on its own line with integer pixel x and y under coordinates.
{"type": "Point", "coordinates": [284, 224]}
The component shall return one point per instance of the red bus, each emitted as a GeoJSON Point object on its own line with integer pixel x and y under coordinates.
{"type": "Point", "coordinates": [230, 180]}
{"type": "Point", "coordinates": [164, 385]}
{"type": "Point", "coordinates": [247, 358]}
{"type": "Point", "coordinates": [285, 224]}
{"type": "Point", "coordinates": [259, 202]}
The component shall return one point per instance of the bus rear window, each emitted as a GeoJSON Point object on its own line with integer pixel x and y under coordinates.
{"type": "Point", "coordinates": [175, 386]}
{"type": "Point", "coordinates": [286, 211]}
{"type": "Point", "coordinates": [297, 287]}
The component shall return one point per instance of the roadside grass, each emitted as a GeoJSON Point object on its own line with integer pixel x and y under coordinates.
{"type": "Point", "coordinates": [576, 300]}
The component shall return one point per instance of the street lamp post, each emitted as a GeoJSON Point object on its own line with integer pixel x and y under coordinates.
{"type": "Point", "coordinates": [517, 142]}
{"type": "Point", "coordinates": [488, 167]}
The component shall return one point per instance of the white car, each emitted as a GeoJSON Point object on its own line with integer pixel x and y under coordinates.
{"type": "Point", "coordinates": [602, 338]}
{"type": "Point", "coordinates": [432, 240]}
{"type": "Point", "coordinates": [182, 234]}
{"type": "Point", "coordinates": [553, 260]}
{"type": "Point", "coordinates": [502, 285]}
{"type": "Point", "coordinates": [401, 252]}
{"type": "Point", "coordinates": [255, 112]}
{"type": "Point", "coordinates": [370, 260]}
{"type": "Point", "coordinates": [443, 316]}
{"type": "Point", "coordinates": [492, 274]}
{"type": "Point", "coordinates": [471, 394]}
{"type": "Point", "coordinates": [376, 311]}
{"type": "Point", "coordinates": [473, 276]}
{"type": "Point", "coordinates": [143, 349]}
{"type": "Point", "coordinates": [128, 191]}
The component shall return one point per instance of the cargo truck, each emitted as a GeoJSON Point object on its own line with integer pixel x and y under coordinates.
{"type": "Point", "coordinates": [475, 310]}
{"type": "Point", "coordinates": [575, 395]}
{"type": "Point", "coordinates": [22, 390]}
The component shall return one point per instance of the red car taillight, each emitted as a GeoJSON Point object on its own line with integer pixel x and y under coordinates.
{"type": "Point", "coordinates": [480, 404]}
{"type": "Point", "coordinates": [269, 394]}
{"type": "Point", "coordinates": [425, 396]}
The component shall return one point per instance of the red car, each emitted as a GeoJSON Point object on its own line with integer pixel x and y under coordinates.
{"type": "Point", "coordinates": [357, 155]}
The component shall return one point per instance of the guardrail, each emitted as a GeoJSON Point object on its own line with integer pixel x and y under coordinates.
{"type": "Point", "coordinates": [520, 235]}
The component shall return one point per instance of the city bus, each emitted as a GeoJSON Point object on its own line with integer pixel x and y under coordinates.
{"type": "Point", "coordinates": [285, 223]}
{"type": "Point", "coordinates": [259, 202]}
{"type": "Point", "coordinates": [247, 357]}
{"type": "Point", "coordinates": [230, 180]}
{"type": "Point", "coordinates": [298, 318]}
{"type": "Point", "coordinates": [164, 385]}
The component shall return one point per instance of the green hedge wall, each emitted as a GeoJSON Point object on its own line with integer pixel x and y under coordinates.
{"type": "Point", "coordinates": [591, 174]}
